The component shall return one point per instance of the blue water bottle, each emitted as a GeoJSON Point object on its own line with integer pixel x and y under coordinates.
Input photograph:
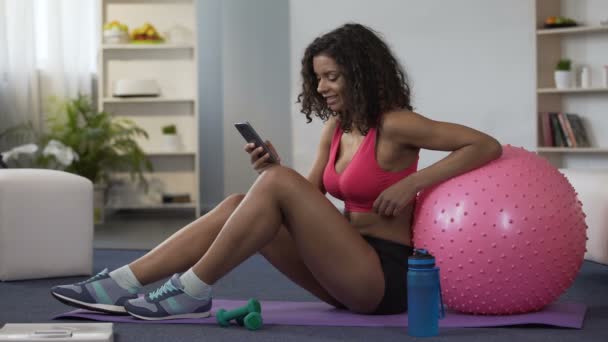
{"type": "Point", "coordinates": [425, 305]}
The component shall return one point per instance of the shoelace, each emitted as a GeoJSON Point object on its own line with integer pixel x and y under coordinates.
{"type": "Point", "coordinates": [166, 288]}
{"type": "Point", "coordinates": [92, 279]}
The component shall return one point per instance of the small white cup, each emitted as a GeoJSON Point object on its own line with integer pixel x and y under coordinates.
{"type": "Point", "coordinates": [172, 142]}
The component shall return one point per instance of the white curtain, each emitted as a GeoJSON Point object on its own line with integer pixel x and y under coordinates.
{"type": "Point", "coordinates": [19, 98]}
{"type": "Point", "coordinates": [47, 48]}
{"type": "Point", "coordinates": [72, 38]}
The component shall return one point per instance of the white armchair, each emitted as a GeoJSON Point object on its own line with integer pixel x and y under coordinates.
{"type": "Point", "coordinates": [46, 224]}
{"type": "Point", "coordinates": [592, 189]}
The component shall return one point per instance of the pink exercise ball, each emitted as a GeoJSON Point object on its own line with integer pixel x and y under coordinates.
{"type": "Point", "coordinates": [509, 237]}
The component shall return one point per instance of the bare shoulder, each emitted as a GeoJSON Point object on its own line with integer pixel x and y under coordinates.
{"type": "Point", "coordinates": [401, 125]}
{"type": "Point", "coordinates": [412, 129]}
{"type": "Point", "coordinates": [331, 122]}
{"type": "Point", "coordinates": [328, 129]}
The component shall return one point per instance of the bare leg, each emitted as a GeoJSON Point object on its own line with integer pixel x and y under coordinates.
{"type": "Point", "coordinates": [283, 254]}
{"type": "Point", "coordinates": [334, 252]}
{"type": "Point", "coordinates": [184, 248]}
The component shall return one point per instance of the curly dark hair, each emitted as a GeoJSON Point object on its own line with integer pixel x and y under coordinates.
{"type": "Point", "coordinates": [375, 81]}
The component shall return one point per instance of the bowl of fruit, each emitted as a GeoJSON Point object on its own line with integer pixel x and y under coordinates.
{"type": "Point", "coordinates": [559, 21]}
{"type": "Point", "coordinates": [115, 32]}
{"type": "Point", "coordinates": [146, 34]}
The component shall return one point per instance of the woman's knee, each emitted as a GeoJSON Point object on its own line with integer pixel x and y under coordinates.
{"type": "Point", "coordinates": [232, 201]}
{"type": "Point", "coordinates": [277, 175]}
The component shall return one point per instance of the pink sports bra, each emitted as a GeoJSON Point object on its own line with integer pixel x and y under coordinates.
{"type": "Point", "coordinates": [362, 181]}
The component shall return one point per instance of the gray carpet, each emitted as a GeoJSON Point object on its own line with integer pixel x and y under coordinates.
{"type": "Point", "coordinates": [30, 301]}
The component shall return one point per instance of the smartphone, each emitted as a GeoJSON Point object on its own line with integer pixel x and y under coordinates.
{"type": "Point", "coordinates": [251, 136]}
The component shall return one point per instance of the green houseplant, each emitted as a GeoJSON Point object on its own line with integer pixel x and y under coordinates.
{"type": "Point", "coordinates": [563, 74]}
{"type": "Point", "coordinates": [83, 141]}
{"type": "Point", "coordinates": [170, 130]}
{"type": "Point", "coordinates": [564, 64]}
{"type": "Point", "coordinates": [171, 140]}
{"type": "Point", "coordinates": [103, 143]}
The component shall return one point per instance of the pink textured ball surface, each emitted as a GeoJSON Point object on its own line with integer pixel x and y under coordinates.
{"type": "Point", "coordinates": [509, 237]}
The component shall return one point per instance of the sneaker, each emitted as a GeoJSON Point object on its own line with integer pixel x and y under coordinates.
{"type": "Point", "coordinates": [99, 293]}
{"type": "Point", "coordinates": [169, 302]}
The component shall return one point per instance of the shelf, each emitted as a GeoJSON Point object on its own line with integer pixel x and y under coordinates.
{"type": "Point", "coordinates": [173, 64]}
{"type": "Point", "coordinates": [572, 90]}
{"type": "Point", "coordinates": [169, 153]}
{"type": "Point", "coordinates": [569, 30]}
{"type": "Point", "coordinates": [159, 46]}
{"type": "Point", "coordinates": [122, 2]}
{"type": "Point", "coordinates": [146, 99]}
{"type": "Point", "coordinates": [572, 150]}
{"type": "Point", "coordinates": [158, 206]}
{"type": "Point", "coordinates": [582, 44]}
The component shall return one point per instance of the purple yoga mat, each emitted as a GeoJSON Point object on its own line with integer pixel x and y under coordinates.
{"type": "Point", "coordinates": [568, 315]}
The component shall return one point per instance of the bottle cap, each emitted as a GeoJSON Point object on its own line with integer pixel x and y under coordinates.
{"type": "Point", "coordinates": [421, 259]}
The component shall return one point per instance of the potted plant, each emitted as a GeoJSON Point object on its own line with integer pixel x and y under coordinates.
{"type": "Point", "coordinates": [171, 140]}
{"type": "Point", "coordinates": [102, 144]}
{"type": "Point", "coordinates": [563, 74]}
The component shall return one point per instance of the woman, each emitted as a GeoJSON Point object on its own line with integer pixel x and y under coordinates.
{"type": "Point", "coordinates": [367, 156]}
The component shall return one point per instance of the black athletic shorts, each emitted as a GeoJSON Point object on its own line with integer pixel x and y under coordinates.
{"type": "Point", "coordinates": [393, 258]}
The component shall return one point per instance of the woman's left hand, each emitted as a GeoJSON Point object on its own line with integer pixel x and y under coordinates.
{"type": "Point", "coordinates": [395, 198]}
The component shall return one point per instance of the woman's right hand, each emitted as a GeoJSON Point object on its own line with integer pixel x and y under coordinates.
{"type": "Point", "coordinates": [259, 159]}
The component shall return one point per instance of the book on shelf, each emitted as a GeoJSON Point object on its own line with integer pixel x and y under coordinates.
{"type": "Point", "coordinates": [546, 131]}
{"type": "Point", "coordinates": [563, 123]}
{"type": "Point", "coordinates": [560, 129]}
{"type": "Point", "coordinates": [560, 140]}
{"type": "Point", "coordinates": [580, 132]}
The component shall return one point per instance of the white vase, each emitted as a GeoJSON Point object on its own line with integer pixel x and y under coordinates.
{"type": "Point", "coordinates": [563, 79]}
{"type": "Point", "coordinates": [171, 142]}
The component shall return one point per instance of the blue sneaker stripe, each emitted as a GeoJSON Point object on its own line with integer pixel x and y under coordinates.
{"type": "Point", "coordinates": [168, 302]}
{"type": "Point", "coordinates": [101, 294]}
{"type": "Point", "coordinates": [174, 305]}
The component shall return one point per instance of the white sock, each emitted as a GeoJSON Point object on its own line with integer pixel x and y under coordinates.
{"type": "Point", "coordinates": [194, 286]}
{"type": "Point", "coordinates": [125, 278]}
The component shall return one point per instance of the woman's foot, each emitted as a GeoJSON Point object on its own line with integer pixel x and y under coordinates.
{"type": "Point", "coordinates": [99, 293]}
{"type": "Point", "coordinates": [169, 302]}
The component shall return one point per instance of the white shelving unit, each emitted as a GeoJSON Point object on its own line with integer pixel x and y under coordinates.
{"type": "Point", "coordinates": [173, 65]}
{"type": "Point", "coordinates": [152, 206]}
{"type": "Point", "coordinates": [569, 30]}
{"type": "Point", "coordinates": [584, 45]}
{"type": "Point", "coordinates": [580, 150]}
{"type": "Point", "coordinates": [571, 91]}
{"type": "Point", "coordinates": [165, 46]}
{"type": "Point", "coordinates": [110, 100]}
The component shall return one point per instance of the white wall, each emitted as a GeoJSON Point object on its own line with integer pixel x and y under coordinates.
{"type": "Point", "coordinates": [592, 51]}
{"type": "Point", "coordinates": [255, 64]}
{"type": "Point", "coordinates": [469, 61]}
{"type": "Point", "coordinates": [211, 104]}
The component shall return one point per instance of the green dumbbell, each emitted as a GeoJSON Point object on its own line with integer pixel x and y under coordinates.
{"type": "Point", "coordinates": [253, 321]}
{"type": "Point", "coordinates": [224, 317]}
